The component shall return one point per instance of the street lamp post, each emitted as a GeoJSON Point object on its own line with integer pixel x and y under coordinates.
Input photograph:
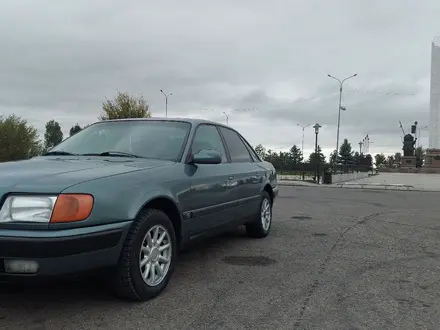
{"type": "Point", "coordinates": [302, 147]}
{"type": "Point", "coordinates": [360, 148]}
{"type": "Point", "coordinates": [367, 144]}
{"type": "Point", "coordinates": [341, 82]}
{"type": "Point", "coordinates": [166, 102]}
{"type": "Point", "coordinates": [316, 127]}
{"type": "Point", "coordinates": [227, 118]}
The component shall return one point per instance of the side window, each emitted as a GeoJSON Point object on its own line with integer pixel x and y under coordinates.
{"type": "Point", "coordinates": [251, 151]}
{"type": "Point", "coordinates": [207, 137]}
{"type": "Point", "coordinates": [237, 150]}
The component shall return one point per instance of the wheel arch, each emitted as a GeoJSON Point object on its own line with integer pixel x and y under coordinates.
{"type": "Point", "coordinates": [170, 207]}
{"type": "Point", "coordinates": [267, 187]}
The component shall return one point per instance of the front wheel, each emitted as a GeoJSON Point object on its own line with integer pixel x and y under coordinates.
{"type": "Point", "coordinates": [260, 227]}
{"type": "Point", "coordinates": [148, 257]}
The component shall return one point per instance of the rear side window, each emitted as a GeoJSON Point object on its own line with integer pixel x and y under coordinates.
{"type": "Point", "coordinates": [237, 150]}
{"type": "Point", "coordinates": [251, 151]}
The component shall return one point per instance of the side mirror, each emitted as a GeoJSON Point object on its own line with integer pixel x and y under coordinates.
{"type": "Point", "coordinates": [206, 156]}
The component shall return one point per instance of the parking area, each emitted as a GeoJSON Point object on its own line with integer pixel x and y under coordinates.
{"type": "Point", "coordinates": [335, 259]}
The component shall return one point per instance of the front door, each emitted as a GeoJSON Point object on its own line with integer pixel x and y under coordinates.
{"type": "Point", "coordinates": [212, 197]}
{"type": "Point", "coordinates": [247, 175]}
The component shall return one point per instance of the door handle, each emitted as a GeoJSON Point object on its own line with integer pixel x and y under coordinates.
{"type": "Point", "coordinates": [257, 176]}
{"type": "Point", "coordinates": [231, 177]}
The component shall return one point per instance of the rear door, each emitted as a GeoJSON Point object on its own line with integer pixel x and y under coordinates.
{"type": "Point", "coordinates": [246, 176]}
{"type": "Point", "coordinates": [212, 197]}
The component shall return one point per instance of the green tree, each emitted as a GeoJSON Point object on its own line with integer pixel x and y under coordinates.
{"type": "Point", "coordinates": [367, 162]}
{"type": "Point", "coordinates": [397, 158]}
{"type": "Point", "coordinates": [379, 160]}
{"type": "Point", "coordinates": [296, 156]}
{"type": "Point", "coordinates": [333, 158]}
{"type": "Point", "coordinates": [346, 153]}
{"type": "Point", "coordinates": [357, 158]}
{"type": "Point", "coordinates": [313, 158]}
{"type": "Point", "coordinates": [18, 139]}
{"type": "Point", "coordinates": [75, 129]}
{"type": "Point", "coordinates": [420, 156]}
{"type": "Point", "coordinates": [269, 156]}
{"type": "Point", "coordinates": [125, 106]}
{"type": "Point", "coordinates": [261, 151]}
{"type": "Point", "coordinates": [53, 134]}
{"type": "Point", "coordinates": [390, 161]}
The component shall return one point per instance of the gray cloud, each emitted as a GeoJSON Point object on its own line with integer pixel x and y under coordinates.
{"type": "Point", "coordinates": [264, 63]}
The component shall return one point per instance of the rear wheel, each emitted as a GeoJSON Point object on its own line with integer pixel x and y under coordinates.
{"type": "Point", "coordinates": [148, 257]}
{"type": "Point", "coordinates": [260, 227]}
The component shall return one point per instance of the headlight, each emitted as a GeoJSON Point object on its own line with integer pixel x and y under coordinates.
{"type": "Point", "coordinates": [27, 209]}
{"type": "Point", "coordinates": [45, 209]}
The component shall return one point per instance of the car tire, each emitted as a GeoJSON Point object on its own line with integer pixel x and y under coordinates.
{"type": "Point", "coordinates": [260, 227]}
{"type": "Point", "coordinates": [130, 283]}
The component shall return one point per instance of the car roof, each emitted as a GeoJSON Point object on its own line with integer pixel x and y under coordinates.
{"type": "Point", "coordinates": [193, 121]}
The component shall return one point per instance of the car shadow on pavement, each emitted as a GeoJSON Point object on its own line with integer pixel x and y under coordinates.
{"type": "Point", "coordinates": [51, 292]}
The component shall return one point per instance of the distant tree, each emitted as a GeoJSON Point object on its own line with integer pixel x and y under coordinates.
{"type": "Point", "coordinates": [313, 158]}
{"type": "Point", "coordinates": [420, 156]}
{"type": "Point", "coordinates": [261, 151]}
{"type": "Point", "coordinates": [125, 106]}
{"type": "Point", "coordinates": [397, 159]}
{"type": "Point", "coordinates": [296, 155]}
{"type": "Point", "coordinates": [357, 158]}
{"type": "Point", "coordinates": [53, 134]}
{"type": "Point", "coordinates": [379, 160]}
{"type": "Point", "coordinates": [333, 158]}
{"type": "Point", "coordinates": [367, 161]}
{"type": "Point", "coordinates": [18, 139]}
{"type": "Point", "coordinates": [75, 129]}
{"type": "Point", "coordinates": [346, 153]}
{"type": "Point", "coordinates": [390, 161]}
{"type": "Point", "coordinates": [269, 155]}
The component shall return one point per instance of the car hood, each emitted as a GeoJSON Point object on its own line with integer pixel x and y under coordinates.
{"type": "Point", "coordinates": [54, 174]}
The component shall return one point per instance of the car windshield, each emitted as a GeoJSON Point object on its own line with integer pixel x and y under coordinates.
{"type": "Point", "coordinates": [148, 139]}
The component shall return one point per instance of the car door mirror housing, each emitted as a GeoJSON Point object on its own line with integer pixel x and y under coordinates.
{"type": "Point", "coordinates": [206, 156]}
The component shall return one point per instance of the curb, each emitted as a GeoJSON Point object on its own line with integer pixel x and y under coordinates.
{"type": "Point", "coordinates": [371, 188]}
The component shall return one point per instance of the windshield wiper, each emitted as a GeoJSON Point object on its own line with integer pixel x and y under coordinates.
{"type": "Point", "coordinates": [113, 154]}
{"type": "Point", "coordinates": [59, 153]}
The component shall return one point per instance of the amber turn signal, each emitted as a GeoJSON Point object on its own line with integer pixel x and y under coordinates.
{"type": "Point", "coordinates": [72, 207]}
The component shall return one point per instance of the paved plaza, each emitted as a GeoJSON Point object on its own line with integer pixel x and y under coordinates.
{"type": "Point", "coordinates": [420, 181]}
{"type": "Point", "coordinates": [335, 259]}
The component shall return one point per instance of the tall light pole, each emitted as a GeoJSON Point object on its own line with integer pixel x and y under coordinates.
{"type": "Point", "coordinates": [227, 118]}
{"type": "Point", "coordinates": [360, 148]}
{"type": "Point", "coordinates": [316, 127]}
{"type": "Point", "coordinates": [302, 141]}
{"type": "Point", "coordinates": [302, 148]}
{"type": "Point", "coordinates": [166, 102]}
{"type": "Point", "coordinates": [341, 82]}
{"type": "Point", "coordinates": [366, 144]}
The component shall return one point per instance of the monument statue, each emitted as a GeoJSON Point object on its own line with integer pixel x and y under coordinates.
{"type": "Point", "coordinates": [408, 145]}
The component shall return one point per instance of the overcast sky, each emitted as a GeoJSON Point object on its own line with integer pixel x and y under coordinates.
{"type": "Point", "coordinates": [264, 63]}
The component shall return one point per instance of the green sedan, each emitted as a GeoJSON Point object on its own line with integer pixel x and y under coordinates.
{"type": "Point", "coordinates": [126, 196]}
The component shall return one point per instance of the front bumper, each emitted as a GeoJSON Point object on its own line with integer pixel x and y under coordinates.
{"type": "Point", "coordinates": [64, 251]}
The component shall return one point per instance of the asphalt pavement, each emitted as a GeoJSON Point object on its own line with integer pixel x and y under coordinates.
{"type": "Point", "coordinates": [335, 259]}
